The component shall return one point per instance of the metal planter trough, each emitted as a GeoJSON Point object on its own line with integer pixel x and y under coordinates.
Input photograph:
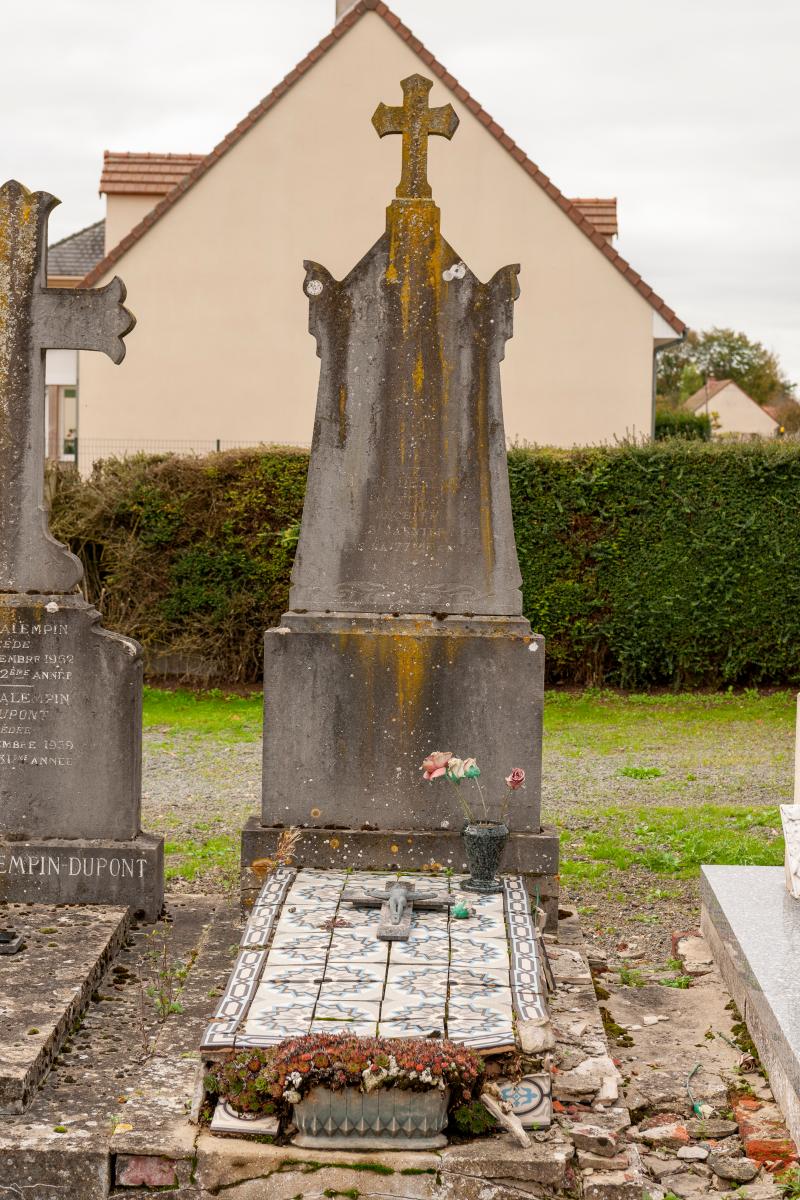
{"type": "Point", "coordinates": [386, 1119]}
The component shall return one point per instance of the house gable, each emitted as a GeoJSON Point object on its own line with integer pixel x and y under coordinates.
{"type": "Point", "coordinates": [572, 210]}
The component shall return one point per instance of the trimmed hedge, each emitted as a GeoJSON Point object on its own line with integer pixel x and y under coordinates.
{"type": "Point", "coordinates": [674, 562]}
{"type": "Point", "coordinates": [680, 422]}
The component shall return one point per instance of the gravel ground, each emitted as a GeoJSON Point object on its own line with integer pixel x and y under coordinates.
{"type": "Point", "coordinates": [200, 788]}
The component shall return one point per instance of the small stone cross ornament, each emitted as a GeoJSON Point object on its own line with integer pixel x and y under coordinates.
{"type": "Point", "coordinates": [397, 903]}
{"type": "Point", "coordinates": [33, 319]}
{"type": "Point", "coordinates": [417, 122]}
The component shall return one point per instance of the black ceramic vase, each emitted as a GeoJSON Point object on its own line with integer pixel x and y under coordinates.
{"type": "Point", "coordinates": [484, 843]}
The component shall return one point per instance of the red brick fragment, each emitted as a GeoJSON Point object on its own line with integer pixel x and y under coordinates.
{"type": "Point", "coordinates": [145, 1170]}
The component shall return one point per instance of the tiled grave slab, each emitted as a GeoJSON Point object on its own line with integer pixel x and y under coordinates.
{"type": "Point", "coordinates": [46, 986]}
{"type": "Point", "coordinates": [299, 976]}
{"type": "Point", "coordinates": [753, 928]}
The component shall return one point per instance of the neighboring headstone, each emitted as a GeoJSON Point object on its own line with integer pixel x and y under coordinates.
{"type": "Point", "coordinates": [405, 632]}
{"type": "Point", "coordinates": [70, 691]}
{"type": "Point", "coordinates": [790, 818]}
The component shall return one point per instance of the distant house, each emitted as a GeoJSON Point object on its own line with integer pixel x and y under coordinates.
{"type": "Point", "coordinates": [211, 250]}
{"type": "Point", "coordinates": [68, 261]}
{"type": "Point", "coordinates": [733, 413]}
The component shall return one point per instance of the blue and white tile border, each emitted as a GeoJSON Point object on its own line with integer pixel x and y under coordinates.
{"type": "Point", "coordinates": [246, 973]}
{"type": "Point", "coordinates": [528, 985]}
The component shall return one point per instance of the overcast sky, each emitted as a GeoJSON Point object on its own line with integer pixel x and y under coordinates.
{"type": "Point", "coordinates": [688, 112]}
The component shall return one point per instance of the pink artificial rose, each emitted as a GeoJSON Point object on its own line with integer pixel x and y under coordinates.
{"type": "Point", "coordinates": [435, 765]}
{"type": "Point", "coordinates": [516, 778]}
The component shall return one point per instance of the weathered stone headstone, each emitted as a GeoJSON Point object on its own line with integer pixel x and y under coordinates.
{"type": "Point", "coordinates": [405, 632]}
{"type": "Point", "coordinates": [70, 691]}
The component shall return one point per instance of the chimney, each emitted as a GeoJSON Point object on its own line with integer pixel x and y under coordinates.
{"type": "Point", "coordinates": [343, 8]}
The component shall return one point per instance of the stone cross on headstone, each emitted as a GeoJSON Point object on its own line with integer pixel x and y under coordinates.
{"type": "Point", "coordinates": [416, 121]}
{"type": "Point", "coordinates": [70, 691]}
{"type": "Point", "coordinates": [397, 903]}
{"type": "Point", "coordinates": [34, 319]}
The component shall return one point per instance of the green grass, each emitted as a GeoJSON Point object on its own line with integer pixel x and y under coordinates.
{"type": "Point", "coordinates": [193, 859]}
{"type": "Point", "coordinates": [214, 713]}
{"type": "Point", "coordinates": [606, 722]}
{"type": "Point", "coordinates": [672, 841]}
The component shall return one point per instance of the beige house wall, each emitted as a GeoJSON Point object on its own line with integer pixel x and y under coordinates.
{"type": "Point", "coordinates": [122, 213]}
{"type": "Point", "coordinates": [221, 349]}
{"type": "Point", "coordinates": [733, 412]}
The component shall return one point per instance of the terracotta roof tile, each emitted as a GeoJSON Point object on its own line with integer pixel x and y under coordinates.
{"type": "Point", "coordinates": [601, 213]}
{"type": "Point", "coordinates": [341, 30]}
{"type": "Point", "coordinates": [144, 174]}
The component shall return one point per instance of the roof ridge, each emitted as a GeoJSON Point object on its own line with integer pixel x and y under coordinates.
{"type": "Point", "coordinates": [340, 30]}
{"type": "Point", "coordinates": [152, 154]}
{"type": "Point", "coordinates": [77, 233]}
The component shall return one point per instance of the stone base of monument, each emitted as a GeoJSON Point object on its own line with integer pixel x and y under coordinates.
{"type": "Point", "coordinates": [752, 925]}
{"type": "Point", "coordinates": [45, 987]}
{"type": "Point", "coordinates": [534, 856]}
{"type": "Point", "coordinates": [82, 871]}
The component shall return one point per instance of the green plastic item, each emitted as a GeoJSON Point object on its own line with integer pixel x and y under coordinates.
{"type": "Point", "coordinates": [460, 910]}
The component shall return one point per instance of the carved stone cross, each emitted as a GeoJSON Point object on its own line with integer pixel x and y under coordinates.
{"type": "Point", "coordinates": [397, 903]}
{"type": "Point", "coordinates": [416, 121]}
{"type": "Point", "coordinates": [33, 319]}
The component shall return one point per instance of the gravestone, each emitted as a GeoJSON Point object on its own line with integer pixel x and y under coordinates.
{"type": "Point", "coordinates": [405, 631]}
{"type": "Point", "coordinates": [70, 691]}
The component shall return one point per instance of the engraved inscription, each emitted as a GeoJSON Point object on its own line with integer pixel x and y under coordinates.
{"type": "Point", "coordinates": [36, 682]}
{"type": "Point", "coordinates": [114, 866]}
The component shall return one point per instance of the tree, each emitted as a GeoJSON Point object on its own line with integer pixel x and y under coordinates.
{"type": "Point", "coordinates": [721, 354]}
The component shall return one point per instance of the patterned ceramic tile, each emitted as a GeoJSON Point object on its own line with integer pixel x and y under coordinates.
{"type": "Point", "coordinates": [416, 981]}
{"type": "Point", "coordinates": [347, 946]}
{"type": "Point", "coordinates": [465, 1009]}
{"type": "Point", "coordinates": [354, 985]}
{"type": "Point", "coordinates": [359, 1011]}
{"type": "Point", "coordinates": [299, 948]}
{"type": "Point", "coordinates": [227, 1120]}
{"type": "Point", "coordinates": [476, 951]}
{"type": "Point", "coordinates": [487, 979]}
{"type": "Point", "coordinates": [305, 919]}
{"type": "Point", "coordinates": [276, 1020]}
{"type": "Point", "coordinates": [302, 994]}
{"type": "Point", "coordinates": [408, 1029]}
{"type": "Point", "coordinates": [433, 921]}
{"type": "Point", "coordinates": [238, 993]}
{"type": "Point", "coordinates": [357, 1028]}
{"type": "Point", "coordinates": [291, 976]}
{"type": "Point", "coordinates": [527, 969]}
{"type": "Point", "coordinates": [432, 949]}
{"type": "Point", "coordinates": [483, 904]}
{"type": "Point", "coordinates": [354, 974]}
{"type": "Point", "coordinates": [491, 1029]}
{"type": "Point", "coordinates": [483, 924]}
{"type": "Point", "coordinates": [530, 1099]}
{"type": "Point", "coordinates": [416, 1010]}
